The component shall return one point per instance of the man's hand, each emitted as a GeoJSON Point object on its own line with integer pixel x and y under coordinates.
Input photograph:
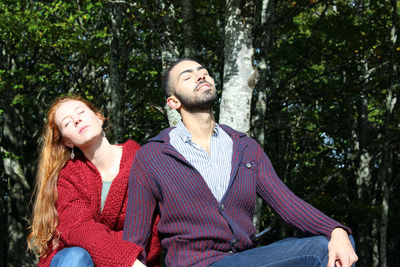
{"type": "Point", "coordinates": [340, 249]}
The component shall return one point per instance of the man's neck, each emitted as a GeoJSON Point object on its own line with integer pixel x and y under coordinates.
{"type": "Point", "coordinates": [201, 127]}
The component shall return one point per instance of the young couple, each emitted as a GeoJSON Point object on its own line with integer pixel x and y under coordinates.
{"type": "Point", "coordinates": [193, 186]}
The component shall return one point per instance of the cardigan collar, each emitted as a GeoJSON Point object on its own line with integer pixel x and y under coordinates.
{"type": "Point", "coordinates": [163, 136]}
{"type": "Point", "coordinates": [239, 144]}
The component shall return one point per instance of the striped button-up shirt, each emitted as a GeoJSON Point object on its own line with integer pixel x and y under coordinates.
{"type": "Point", "coordinates": [215, 167]}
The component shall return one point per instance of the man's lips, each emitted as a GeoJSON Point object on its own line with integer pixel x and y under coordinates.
{"type": "Point", "coordinates": [83, 128]}
{"type": "Point", "coordinates": [201, 85]}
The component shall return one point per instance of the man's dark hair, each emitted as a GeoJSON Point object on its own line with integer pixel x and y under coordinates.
{"type": "Point", "coordinates": [168, 91]}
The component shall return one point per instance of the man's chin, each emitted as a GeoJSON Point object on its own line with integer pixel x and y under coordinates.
{"type": "Point", "coordinates": [203, 108]}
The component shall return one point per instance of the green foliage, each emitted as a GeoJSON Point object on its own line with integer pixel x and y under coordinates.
{"type": "Point", "coordinates": [323, 60]}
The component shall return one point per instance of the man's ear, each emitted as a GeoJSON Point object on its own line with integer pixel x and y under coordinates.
{"type": "Point", "coordinates": [173, 102]}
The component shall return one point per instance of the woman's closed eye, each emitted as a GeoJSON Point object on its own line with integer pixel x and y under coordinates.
{"type": "Point", "coordinates": [67, 122]}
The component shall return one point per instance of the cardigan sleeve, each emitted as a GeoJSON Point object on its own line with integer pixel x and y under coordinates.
{"type": "Point", "coordinates": [153, 248]}
{"type": "Point", "coordinates": [293, 210]}
{"type": "Point", "coordinates": [78, 227]}
{"type": "Point", "coordinates": [141, 205]}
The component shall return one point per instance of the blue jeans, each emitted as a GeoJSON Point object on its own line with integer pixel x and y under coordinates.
{"type": "Point", "coordinates": [72, 257]}
{"type": "Point", "coordinates": [308, 251]}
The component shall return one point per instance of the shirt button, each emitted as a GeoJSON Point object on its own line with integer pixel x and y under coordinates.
{"type": "Point", "coordinates": [248, 165]}
{"type": "Point", "coordinates": [222, 207]}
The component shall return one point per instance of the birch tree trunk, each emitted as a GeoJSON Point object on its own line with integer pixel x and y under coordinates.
{"type": "Point", "coordinates": [387, 171]}
{"type": "Point", "coordinates": [169, 54]}
{"type": "Point", "coordinates": [238, 67]}
{"type": "Point", "coordinates": [239, 75]}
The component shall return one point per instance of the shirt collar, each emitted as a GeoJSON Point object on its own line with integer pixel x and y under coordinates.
{"type": "Point", "coordinates": [186, 136]}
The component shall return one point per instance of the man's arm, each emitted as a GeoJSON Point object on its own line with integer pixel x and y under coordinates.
{"type": "Point", "coordinates": [304, 216]}
{"type": "Point", "coordinates": [141, 205]}
{"type": "Point", "coordinates": [293, 210]}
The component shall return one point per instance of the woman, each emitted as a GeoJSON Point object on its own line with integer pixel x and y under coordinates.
{"type": "Point", "coordinates": [81, 192]}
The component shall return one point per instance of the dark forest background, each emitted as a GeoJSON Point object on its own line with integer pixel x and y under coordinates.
{"type": "Point", "coordinates": [324, 86]}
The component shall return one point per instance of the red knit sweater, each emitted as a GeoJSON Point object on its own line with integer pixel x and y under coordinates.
{"type": "Point", "coordinates": [82, 224]}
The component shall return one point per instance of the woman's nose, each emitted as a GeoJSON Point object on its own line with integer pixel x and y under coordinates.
{"type": "Point", "coordinates": [76, 119]}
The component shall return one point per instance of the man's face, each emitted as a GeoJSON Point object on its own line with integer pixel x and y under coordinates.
{"type": "Point", "coordinates": [193, 86]}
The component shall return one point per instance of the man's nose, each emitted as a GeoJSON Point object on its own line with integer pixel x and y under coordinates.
{"type": "Point", "coordinates": [200, 76]}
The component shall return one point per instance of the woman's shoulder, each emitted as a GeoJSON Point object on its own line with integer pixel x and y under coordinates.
{"type": "Point", "coordinates": [131, 146]}
{"type": "Point", "coordinates": [76, 170]}
{"type": "Point", "coordinates": [72, 165]}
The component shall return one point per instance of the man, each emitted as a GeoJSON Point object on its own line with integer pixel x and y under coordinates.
{"type": "Point", "coordinates": [203, 179]}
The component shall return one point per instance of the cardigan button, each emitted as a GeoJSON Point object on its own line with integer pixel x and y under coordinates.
{"type": "Point", "coordinates": [222, 207]}
{"type": "Point", "coordinates": [234, 241]}
{"type": "Point", "coordinates": [248, 165]}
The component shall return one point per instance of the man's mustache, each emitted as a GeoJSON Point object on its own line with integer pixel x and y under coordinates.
{"type": "Point", "coordinates": [199, 84]}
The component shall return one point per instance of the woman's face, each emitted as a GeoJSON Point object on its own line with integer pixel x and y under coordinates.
{"type": "Point", "coordinates": [78, 123]}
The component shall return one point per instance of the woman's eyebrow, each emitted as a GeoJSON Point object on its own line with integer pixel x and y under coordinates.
{"type": "Point", "coordinates": [72, 111]}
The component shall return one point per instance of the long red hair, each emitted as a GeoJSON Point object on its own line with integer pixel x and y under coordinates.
{"type": "Point", "coordinates": [53, 157]}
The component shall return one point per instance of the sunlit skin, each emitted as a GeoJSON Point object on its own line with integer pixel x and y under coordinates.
{"type": "Point", "coordinates": [82, 128]}
{"type": "Point", "coordinates": [191, 82]}
{"type": "Point", "coordinates": [79, 125]}
{"type": "Point", "coordinates": [193, 86]}
{"type": "Point", "coordinates": [187, 78]}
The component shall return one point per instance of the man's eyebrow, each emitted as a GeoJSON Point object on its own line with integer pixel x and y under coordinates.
{"type": "Point", "coordinates": [190, 70]}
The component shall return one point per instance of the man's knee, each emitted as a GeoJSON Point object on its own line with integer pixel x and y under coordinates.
{"type": "Point", "coordinates": [320, 243]}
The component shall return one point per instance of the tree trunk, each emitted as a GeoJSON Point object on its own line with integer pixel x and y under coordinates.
{"type": "Point", "coordinates": [239, 73]}
{"type": "Point", "coordinates": [169, 54]}
{"type": "Point", "coordinates": [188, 38]}
{"type": "Point", "coordinates": [363, 179]}
{"type": "Point", "coordinates": [115, 82]}
{"type": "Point", "coordinates": [367, 188]}
{"type": "Point", "coordinates": [387, 168]}
{"type": "Point", "coordinates": [16, 202]}
{"type": "Point", "coordinates": [258, 116]}
{"type": "Point", "coordinates": [374, 239]}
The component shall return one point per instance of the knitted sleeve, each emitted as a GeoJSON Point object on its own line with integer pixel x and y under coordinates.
{"type": "Point", "coordinates": [293, 210]}
{"type": "Point", "coordinates": [78, 227]}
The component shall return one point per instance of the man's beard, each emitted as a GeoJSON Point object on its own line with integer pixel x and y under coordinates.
{"type": "Point", "coordinates": [198, 103]}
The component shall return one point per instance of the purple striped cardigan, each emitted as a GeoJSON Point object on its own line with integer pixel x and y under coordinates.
{"type": "Point", "coordinates": [195, 229]}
